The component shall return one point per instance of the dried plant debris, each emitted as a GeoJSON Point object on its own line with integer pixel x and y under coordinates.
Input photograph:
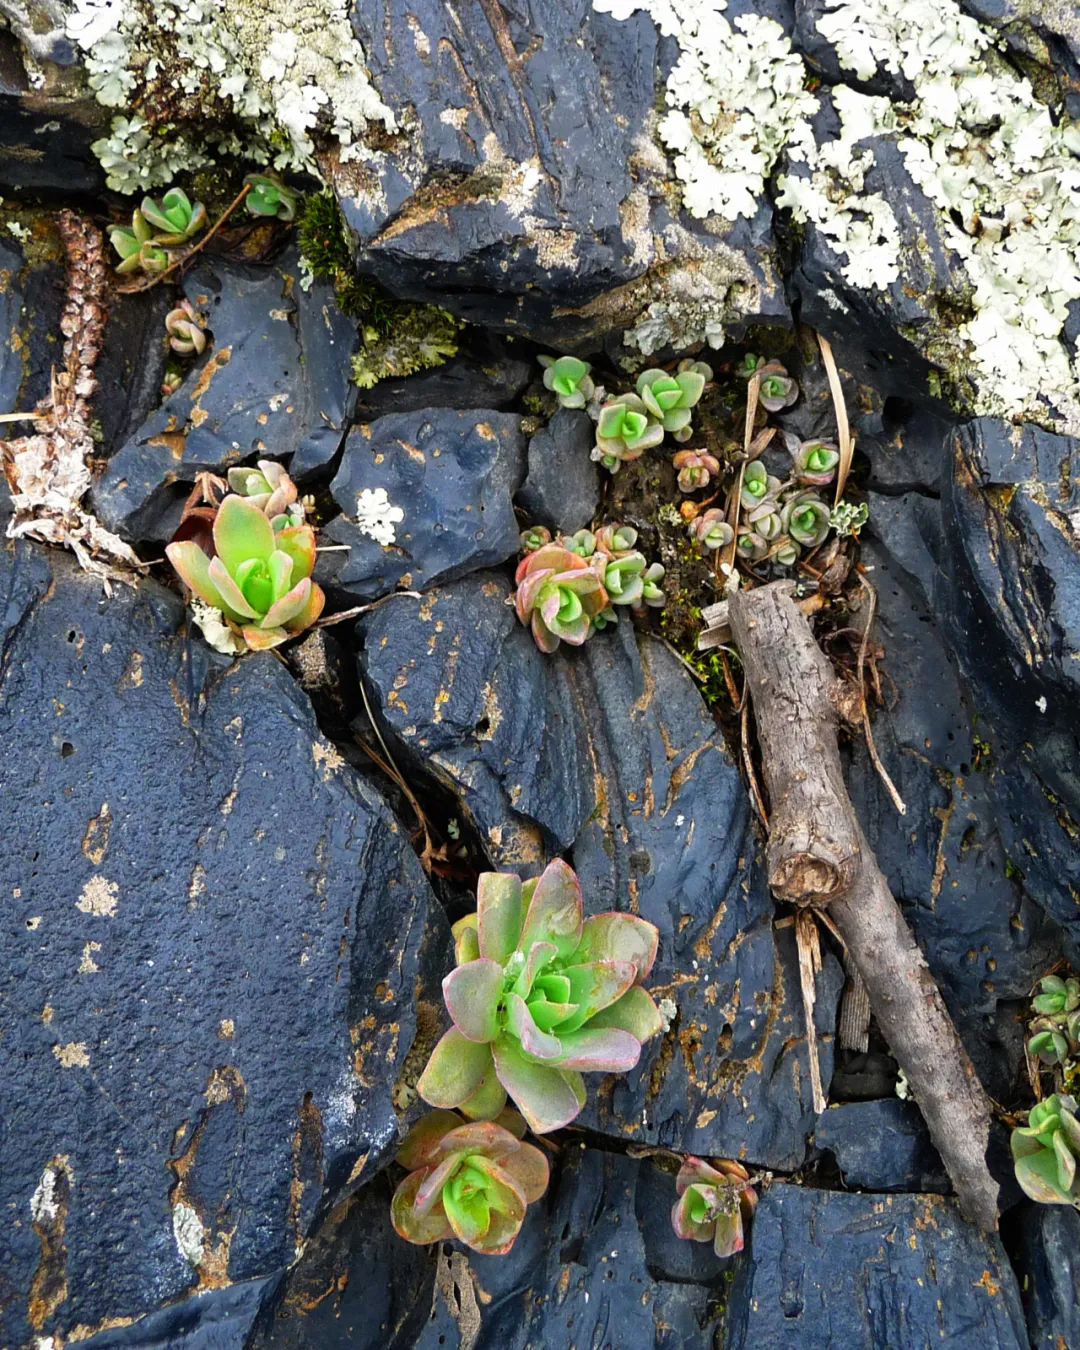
{"type": "Point", "coordinates": [48, 471]}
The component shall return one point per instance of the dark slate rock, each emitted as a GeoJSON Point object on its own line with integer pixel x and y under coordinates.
{"type": "Point", "coordinates": [1009, 591]}
{"type": "Point", "coordinates": [488, 375]}
{"type": "Point", "coordinates": [906, 445]}
{"type": "Point", "coordinates": [882, 1146]}
{"type": "Point", "coordinates": [1045, 36]}
{"type": "Point", "coordinates": [274, 383]}
{"type": "Point", "coordinates": [45, 143]}
{"type": "Point", "coordinates": [211, 932]}
{"type": "Point", "coordinates": [1049, 1257]}
{"type": "Point", "coordinates": [452, 473]}
{"type": "Point", "coordinates": [11, 309]}
{"type": "Point", "coordinates": [562, 489]}
{"type": "Point", "coordinates": [820, 54]}
{"type": "Point", "coordinates": [31, 302]}
{"type": "Point", "coordinates": [219, 1320]}
{"type": "Point", "coordinates": [607, 753]}
{"type": "Point", "coordinates": [985, 940]}
{"type": "Point", "coordinates": [827, 1269]}
{"type": "Point", "coordinates": [542, 208]}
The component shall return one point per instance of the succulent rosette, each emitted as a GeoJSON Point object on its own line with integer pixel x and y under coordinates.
{"type": "Point", "coordinates": [174, 217]}
{"type": "Point", "coordinates": [805, 518]}
{"type": "Point", "coordinates": [765, 520]}
{"type": "Point", "coordinates": [696, 469]}
{"type": "Point", "coordinates": [536, 536]}
{"type": "Point", "coordinates": [186, 334]}
{"type": "Point", "coordinates": [714, 1204]}
{"type": "Point", "coordinates": [581, 542]}
{"type": "Point", "coordinates": [623, 576]}
{"type": "Point", "coordinates": [137, 246]}
{"type": "Point", "coordinates": [268, 196]}
{"type": "Point", "coordinates": [758, 484]}
{"type": "Point", "coordinates": [652, 593]}
{"type": "Point", "coordinates": [557, 595]}
{"type": "Point", "coordinates": [1056, 1028]}
{"type": "Point", "coordinates": [777, 389]}
{"type": "Point", "coordinates": [615, 539]}
{"type": "Point", "coordinates": [815, 463]}
{"type": "Point", "coordinates": [750, 545]}
{"type": "Point", "coordinates": [710, 530]}
{"type": "Point", "coordinates": [269, 487]}
{"type": "Point", "coordinates": [568, 379]}
{"type": "Point", "coordinates": [1045, 1152]}
{"type": "Point", "coordinates": [624, 432]}
{"type": "Point", "coordinates": [669, 398]}
{"type": "Point", "coordinates": [259, 577]}
{"type": "Point", "coordinates": [540, 994]}
{"type": "Point", "coordinates": [467, 1180]}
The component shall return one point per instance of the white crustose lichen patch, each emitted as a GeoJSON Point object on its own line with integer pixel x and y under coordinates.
{"type": "Point", "coordinates": [376, 516]}
{"type": "Point", "coordinates": [282, 68]}
{"type": "Point", "coordinates": [1002, 170]}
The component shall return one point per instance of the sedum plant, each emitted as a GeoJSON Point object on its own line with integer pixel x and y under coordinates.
{"type": "Point", "coordinates": [616, 539]}
{"type": "Point", "coordinates": [623, 577]}
{"type": "Point", "coordinates": [467, 1180]}
{"type": "Point", "coordinates": [536, 536]}
{"type": "Point", "coordinates": [557, 595]}
{"type": "Point", "coordinates": [186, 335]}
{"type": "Point", "coordinates": [137, 247]}
{"type": "Point", "coordinates": [1055, 1038]}
{"type": "Point", "coordinates": [805, 518]}
{"type": "Point", "coordinates": [1045, 1152]}
{"type": "Point", "coordinates": [259, 577]}
{"type": "Point", "coordinates": [758, 485]}
{"type": "Point", "coordinates": [714, 1204]}
{"type": "Point", "coordinates": [539, 994]}
{"type": "Point", "coordinates": [710, 530]}
{"type": "Point", "coordinates": [581, 542]}
{"type": "Point", "coordinates": [697, 468]}
{"type": "Point", "coordinates": [652, 591]}
{"type": "Point", "coordinates": [568, 379]}
{"type": "Point", "coordinates": [270, 488]}
{"type": "Point", "coordinates": [669, 398]}
{"type": "Point", "coordinates": [174, 217]}
{"type": "Point", "coordinates": [815, 463]}
{"type": "Point", "coordinates": [268, 196]}
{"type": "Point", "coordinates": [624, 432]}
{"type": "Point", "coordinates": [777, 389]}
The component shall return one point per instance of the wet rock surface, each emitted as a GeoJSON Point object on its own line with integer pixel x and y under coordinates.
{"type": "Point", "coordinates": [862, 1271]}
{"type": "Point", "coordinates": [607, 753]}
{"type": "Point", "coordinates": [212, 928]}
{"type": "Point", "coordinates": [1049, 1237]}
{"type": "Point", "coordinates": [881, 1146]}
{"type": "Point", "coordinates": [444, 479]}
{"type": "Point", "coordinates": [562, 489]}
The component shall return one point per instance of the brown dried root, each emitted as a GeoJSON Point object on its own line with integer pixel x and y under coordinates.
{"type": "Point", "coordinates": [48, 470]}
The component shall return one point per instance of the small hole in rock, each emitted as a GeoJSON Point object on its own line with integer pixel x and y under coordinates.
{"type": "Point", "coordinates": [66, 749]}
{"type": "Point", "coordinates": [483, 726]}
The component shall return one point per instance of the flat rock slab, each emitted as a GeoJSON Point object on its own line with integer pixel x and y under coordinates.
{"type": "Point", "coordinates": [562, 489]}
{"type": "Point", "coordinates": [864, 1272]}
{"type": "Point", "coordinates": [447, 479]}
{"type": "Point", "coordinates": [211, 926]}
{"type": "Point", "coordinates": [274, 382]}
{"type": "Point", "coordinates": [882, 1146]}
{"type": "Point", "coordinates": [608, 754]}
{"type": "Point", "coordinates": [1049, 1256]}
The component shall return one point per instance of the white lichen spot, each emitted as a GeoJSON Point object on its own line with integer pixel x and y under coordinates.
{"type": "Point", "coordinates": [99, 897]}
{"type": "Point", "coordinates": [667, 1007]}
{"type": "Point", "coordinates": [327, 759]}
{"type": "Point", "coordinates": [88, 966]}
{"type": "Point", "coordinates": [376, 516]}
{"type": "Point", "coordinates": [45, 1203]}
{"type": "Point", "coordinates": [20, 231]}
{"type": "Point", "coordinates": [74, 1055]}
{"type": "Point", "coordinates": [189, 1233]}
{"type": "Point", "coordinates": [211, 623]}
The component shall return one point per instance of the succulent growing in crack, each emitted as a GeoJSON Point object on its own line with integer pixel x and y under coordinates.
{"type": "Point", "coordinates": [1055, 1029]}
{"type": "Point", "coordinates": [714, 1204]}
{"type": "Point", "coordinates": [710, 530]}
{"type": "Point", "coordinates": [1045, 1152]}
{"type": "Point", "coordinates": [848, 519]}
{"type": "Point", "coordinates": [806, 518]}
{"type": "Point", "coordinates": [467, 1180]}
{"type": "Point", "coordinates": [557, 595]}
{"type": "Point", "coordinates": [171, 382]}
{"type": "Point", "coordinates": [186, 334]}
{"type": "Point", "coordinates": [669, 398]}
{"type": "Point", "coordinates": [815, 463]}
{"type": "Point", "coordinates": [757, 485]}
{"type": "Point", "coordinates": [568, 379]}
{"type": "Point", "coordinates": [624, 432]}
{"type": "Point", "coordinates": [581, 542]}
{"type": "Point", "coordinates": [750, 545]}
{"type": "Point", "coordinates": [137, 247]}
{"type": "Point", "coordinates": [536, 536]}
{"type": "Point", "coordinates": [271, 489]}
{"type": "Point", "coordinates": [765, 520]}
{"type": "Point", "coordinates": [540, 993]}
{"type": "Point", "coordinates": [616, 539]}
{"type": "Point", "coordinates": [268, 196]}
{"type": "Point", "coordinates": [777, 389]}
{"type": "Point", "coordinates": [174, 217]}
{"type": "Point", "coordinates": [697, 468]}
{"type": "Point", "coordinates": [623, 577]}
{"type": "Point", "coordinates": [259, 577]}
{"type": "Point", "coordinates": [652, 592]}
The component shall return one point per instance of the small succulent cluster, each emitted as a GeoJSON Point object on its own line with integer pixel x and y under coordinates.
{"type": "Point", "coordinates": [262, 552]}
{"type": "Point", "coordinates": [1045, 1152]}
{"type": "Point", "coordinates": [157, 229]}
{"type": "Point", "coordinates": [567, 588]}
{"type": "Point", "coordinates": [629, 424]}
{"type": "Point", "coordinates": [1055, 1029]}
{"type": "Point", "coordinates": [467, 1180]}
{"type": "Point", "coordinates": [540, 993]}
{"type": "Point", "coordinates": [714, 1204]}
{"type": "Point", "coordinates": [568, 379]}
{"type": "Point", "coordinates": [777, 389]}
{"type": "Point", "coordinates": [268, 196]}
{"type": "Point", "coordinates": [186, 333]}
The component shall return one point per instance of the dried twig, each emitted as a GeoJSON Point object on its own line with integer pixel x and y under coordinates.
{"type": "Point", "coordinates": [48, 470]}
{"type": "Point", "coordinates": [890, 786]}
{"type": "Point", "coordinates": [753, 391]}
{"type": "Point", "coordinates": [844, 438]}
{"type": "Point", "coordinates": [809, 949]}
{"type": "Point", "coordinates": [390, 768]}
{"type": "Point", "coordinates": [331, 619]}
{"type": "Point", "coordinates": [748, 762]}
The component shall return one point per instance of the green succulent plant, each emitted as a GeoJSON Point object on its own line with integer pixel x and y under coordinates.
{"type": "Point", "coordinates": [806, 519]}
{"type": "Point", "coordinates": [269, 196]}
{"type": "Point", "coordinates": [750, 545]}
{"type": "Point", "coordinates": [186, 334]}
{"type": "Point", "coordinates": [758, 485]}
{"type": "Point", "coordinates": [714, 1204]}
{"type": "Point", "coordinates": [616, 539]}
{"type": "Point", "coordinates": [710, 530]}
{"type": "Point", "coordinates": [1045, 1152]}
{"type": "Point", "coordinates": [1057, 996]}
{"type": "Point", "coordinates": [624, 432]}
{"type": "Point", "coordinates": [467, 1180]}
{"type": "Point", "coordinates": [669, 398]}
{"type": "Point", "coordinates": [765, 520]}
{"type": "Point", "coordinates": [848, 519]}
{"type": "Point", "coordinates": [536, 536]}
{"type": "Point", "coordinates": [558, 594]}
{"type": "Point", "coordinates": [652, 592]}
{"type": "Point", "coordinates": [815, 463]}
{"type": "Point", "coordinates": [777, 389]}
{"type": "Point", "coordinates": [137, 247]}
{"type": "Point", "coordinates": [568, 379]}
{"type": "Point", "coordinates": [581, 542]}
{"type": "Point", "coordinates": [539, 994]}
{"type": "Point", "coordinates": [271, 489]}
{"type": "Point", "coordinates": [259, 577]}
{"type": "Point", "coordinates": [1055, 1038]}
{"type": "Point", "coordinates": [174, 217]}
{"type": "Point", "coordinates": [696, 469]}
{"type": "Point", "coordinates": [623, 577]}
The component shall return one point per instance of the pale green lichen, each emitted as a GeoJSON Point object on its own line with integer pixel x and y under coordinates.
{"type": "Point", "coordinates": [261, 77]}
{"type": "Point", "coordinates": [419, 337]}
